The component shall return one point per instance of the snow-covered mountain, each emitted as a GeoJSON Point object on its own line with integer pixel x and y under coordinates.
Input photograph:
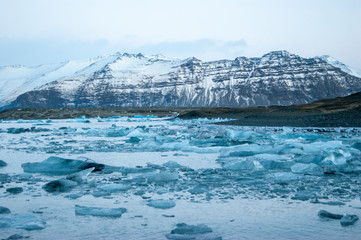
{"type": "Point", "coordinates": [277, 78]}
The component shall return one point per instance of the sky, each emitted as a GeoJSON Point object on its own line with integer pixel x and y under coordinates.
{"type": "Point", "coordinates": [34, 32]}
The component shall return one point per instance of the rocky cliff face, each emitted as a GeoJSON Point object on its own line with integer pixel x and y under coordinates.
{"type": "Point", "coordinates": [277, 78]}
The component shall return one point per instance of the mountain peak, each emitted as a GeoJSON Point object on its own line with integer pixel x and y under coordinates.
{"type": "Point", "coordinates": [278, 54]}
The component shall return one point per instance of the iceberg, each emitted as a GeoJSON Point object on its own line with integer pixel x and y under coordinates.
{"type": "Point", "coordinates": [99, 212]}
{"type": "Point", "coordinates": [62, 166]}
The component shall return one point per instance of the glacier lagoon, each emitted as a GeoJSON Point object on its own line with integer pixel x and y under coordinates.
{"type": "Point", "coordinates": [164, 178]}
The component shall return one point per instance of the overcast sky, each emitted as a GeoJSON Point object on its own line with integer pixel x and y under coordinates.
{"type": "Point", "coordinates": [33, 32]}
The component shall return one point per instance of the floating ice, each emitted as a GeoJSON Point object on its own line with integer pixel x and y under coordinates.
{"type": "Point", "coordinates": [183, 228]}
{"type": "Point", "coordinates": [25, 130]}
{"type": "Point", "coordinates": [27, 222]}
{"type": "Point", "coordinates": [15, 237]}
{"type": "Point", "coordinates": [348, 219]}
{"type": "Point", "coordinates": [60, 185]}
{"type": "Point", "coordinates": [336, 159]}
{"type": "Point", "coordinates": [62, 166]}
{"type": "Point", "coordinates": [172, 164]}
{"type": "Point", "coordinates": [284, 177]}
{"type": "Point", "coordinates": [326, 214]}
{"type": "Point", "coordinates": [161, 203]}
{"type": "Point", "coordinates": [4, 210]}
{"type": "Point", "coordinates": [161, 177]}
{"type": "Point", "coordinates": [114, 187]}
{"type": "Point", "coordinates": [247, 165]}
{"type": "Point", "coordinates": [15, 190]}
{"type": "Point", "coordinates": [197, 232]}
{"type": "Point", "coordinates": [99, 212]}
{"type": "Point", "coordinates": [305, 168]}
{"type": "Point", "coordinates": [81, 176]}
{"type": "Point", "coordinates": [3, 164]}
{"type": "Point", "coordinates": [197, 190]}
{"type": "Point", "coordinates": [304, 195]}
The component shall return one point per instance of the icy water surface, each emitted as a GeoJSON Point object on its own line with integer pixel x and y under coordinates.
{"type": "Point", "coordinates": [151, 178]}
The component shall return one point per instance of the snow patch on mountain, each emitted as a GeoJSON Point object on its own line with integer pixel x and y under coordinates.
{"type": "Point", "coordinates": [342, 66]}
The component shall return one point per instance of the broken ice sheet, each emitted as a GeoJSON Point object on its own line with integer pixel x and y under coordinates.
{"type": "Point", "coordinates": [27, 222]}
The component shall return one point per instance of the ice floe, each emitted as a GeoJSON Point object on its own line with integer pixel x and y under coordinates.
{"type": "Point", "coordinates": [99, 212]}
{"type": "Point", "coordinates": [161, 203]}
{"type": "Point", "coordinates": [27, 222]}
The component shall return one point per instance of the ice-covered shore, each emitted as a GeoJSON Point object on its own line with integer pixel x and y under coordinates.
{"type": "Point", "coordinates": [148, 178]}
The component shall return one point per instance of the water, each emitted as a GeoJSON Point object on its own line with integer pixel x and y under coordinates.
{"type": "Point", "coordinates": [241, 182]}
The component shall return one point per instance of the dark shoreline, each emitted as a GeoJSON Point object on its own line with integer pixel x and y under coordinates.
{"type": "Point", "coordinates": [272, 116]}
{"type": "Point", "coordinates": [338, 112]}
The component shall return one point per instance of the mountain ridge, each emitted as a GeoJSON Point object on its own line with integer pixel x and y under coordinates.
{"type": "Point", "coordinates": [136, 80]}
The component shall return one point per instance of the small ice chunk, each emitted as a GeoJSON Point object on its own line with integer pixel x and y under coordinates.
{"type": "Point", "coordinates": [114, 187]}
{"type": "Point", "coordinates": [133, 140]}
{"type": "Point", "coordinates": [4, 210]}
{"type": "Point", "coordinates": [284, 177]}
{"type": "Point", "coordinates": [3, 164]}
{"type": "Point", "coordinates": [334, 203]}
{"type": "Point", "coordinates": [335, 159]}
{"type": "Point", "coordinates": [304, 195]}
{"type": "Point", "coordinates": [98, 193]}
{"type": "Point", "coordinates": [81, 176]}
{"type": "Point", "coordinates": [326, 214]}
{"type": "Point", "coordinates": [304, 168]}
{"type": "Point", "coordinates": [15, 190]}
{"type": "Point", "coordinates": [197, 190]}
{"type": "Point", "coordinates": [140, 192]}
{"type": "Point", "coordinates": [161, 203]}
{"type": "Point", "coordinates": [99, 212]}
{"type": "Point", "coordinates": [183, 228]}
{"type": "Point", "coordinates": [348, 219]}
{"type": "Point", "coordinates": [15, 236]}
{"type": "Point", "coordinates": [172, 164]}
{"type": "Point", "coordinates": [198, 232]}
{"type": "Point", "coordinates": [74, 196]}
{"type": "Point", "coordinates": [27, 222]}
{"type": "Point", "coordinates": [60, 185]}
{"type": "Point", "coordinates": [162, 177]}
{"type": "Point", "coordinates": [247, 165]}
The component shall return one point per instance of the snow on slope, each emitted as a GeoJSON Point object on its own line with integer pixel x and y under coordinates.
{"type": "Point", "coordinates": [338, 64]}
{"type": "Point", "coordinates": [16, 80]}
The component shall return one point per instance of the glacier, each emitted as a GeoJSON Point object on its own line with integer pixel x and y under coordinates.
{"type": "Point", "coordinates": [163, 178]}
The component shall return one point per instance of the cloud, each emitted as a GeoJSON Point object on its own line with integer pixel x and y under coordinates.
{"type": "Point", "coordinates": [204, 49]}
